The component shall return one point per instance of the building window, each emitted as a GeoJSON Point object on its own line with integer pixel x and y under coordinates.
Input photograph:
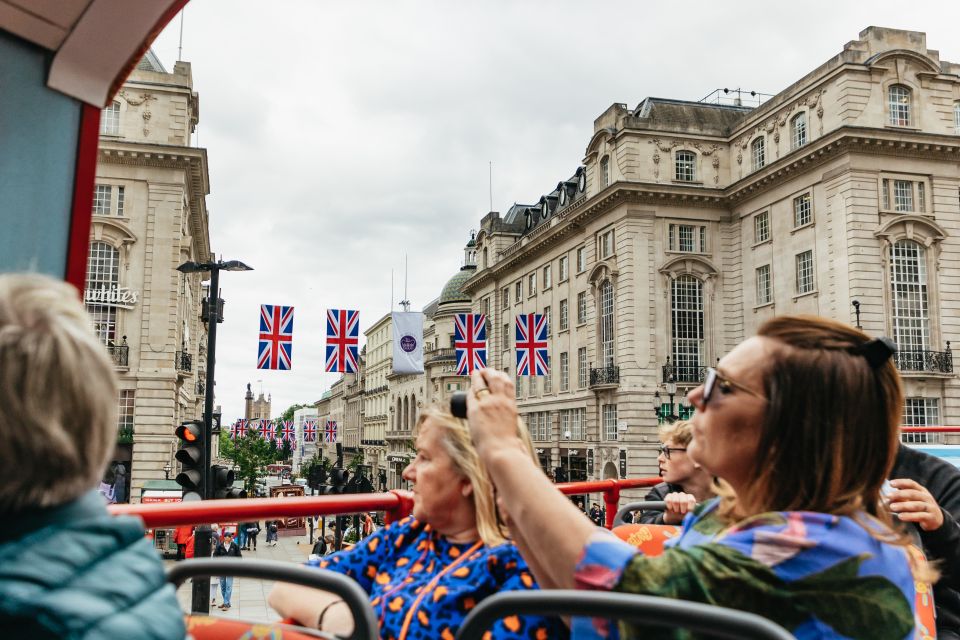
{"type": "Point", "coordinates": [685, 169]}
{"type": "Point", "coordinates": [564, 268]}
{"type": "Point", "coordinates": [102, 200]}
{"type": "Point", "coordinates": [604, 172]}
{"type": "Point", "coordinates": [103, 272]}
{"type": "Point", "coordinates": [798, 128]}
{"type": "Point", "coordinates": [532, 284]}
{"type": "Point", "coordinates": [805, 282]}
{"type": "Point", "coordinates": [548, 382]}
{"type": "Point", "coordinates": [564, 371]}
{"type": "Point", "coordinates": [909, 296]}
{"type": "Point", "coordinates": [757, 153]}
{"type": "Point", "coordinates": [921, 412]}
{"type": "Point", "coordinates": [610, 421]}
{"type": "Point", "coordinates": [506, 336]}
{"type": "Point", "coordinates": [505, 296]}
{"type": "Point", "coordinates": [572, 422]}
{"type": "Point", "coordinates": [125, 411]}
{"type": "Point", "coordinates": [761, 227]}
{"type": "Point", "coordinates": [519, 388]}
{"type": "Point", "coordinates": [686, 321]}
{"type": "Point", "coordinates": [486, 306]}
{"type": "Point", "coordinates": [606, 324]}
{"type": "Point", "coordinates": [483, 264]}
{"type": "Point", "coordinates": [581, 259]}
{"type": "Point", "coordinates": [956, 118]}
{"type": "Point", "coordinates": [802, 210]}
{"type": "Point", "coordinates": [547, 277]}
{"type": "Point", "coordinates": [581, 307]}
{"type": "Point", "coordinates": [548, 316]}
{"type": "Point", "coordinates": [583, 371]}
{"type": "Point", "coordinates": [518, 291]}
{"type": "Point", "coordinates": [764, 288]}
{"type": "Point", "coordinates": [110, 119]}
{"type": "Point", "coordinates": [898, 101]}
{"type": "Point", "coordinates": [687, 238]}
{"type": "Point", "coordinates": [564, 315]}
{"type": "Point", "coordinates": [606, 244]}
{"type": "Point", "coordinates": [906, 195]}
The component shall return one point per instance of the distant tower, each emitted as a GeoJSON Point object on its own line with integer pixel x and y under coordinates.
{"type": "Point", "coordinates": [470, 251]}
{"type": "Point", "coordinates": [248, 404]}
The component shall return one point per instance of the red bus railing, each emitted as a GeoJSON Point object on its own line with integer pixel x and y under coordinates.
{"type": "Point", "coordinates": [396, 505]}
{"type": "Point", "coordinates": [930, 429]}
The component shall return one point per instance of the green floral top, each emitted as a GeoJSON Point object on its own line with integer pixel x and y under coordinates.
{"type": "Point", "coordinates": [819, 576]}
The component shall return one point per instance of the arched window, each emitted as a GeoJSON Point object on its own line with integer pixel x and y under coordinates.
{"type": "Point", "coordinates": [909, 299]}
{"type": "Point", "coordinates": [798, 129]}
{"type": "Point", "coordinates": [607, 354]}
{"type": "Point", "coordinates": [604, 172]}
{"type": "Point", "coordinates": [110, 119]}
{"type": "Point", "coordinates": [413, 411]}
{"type": "Point", "coordinates": [757, 152]}
{"type": "Point", "coordinates": [686, 321]}
{"type": "Point", "coordinates": [685, 169]}
{"type": "Point", "coordinates": [485, 256]}
{"type": "Point", "coordinates": [103, 275]}
{"type": "Point", "coordinates": [898, 100]}
{"type": "Point", "coordinates": [406, 414]}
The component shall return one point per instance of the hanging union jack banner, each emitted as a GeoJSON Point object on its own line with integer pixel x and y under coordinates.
{"type": "Point", "coordinates": [310, 431]}
{"type": "Point", "coordinates": [532, 358]}
{"type": "Point", "coordinates": [343, 337]}
{"type": "Point", "coordinates": [470, 342]}
{"type": "Point", "coordinates": [330, 431]}
{"type": "Point", "coordinates": [239, 429]}
{"type": "Point", "coordinates": [276, 337]}
{"type": "Point", "coordinates": [287, 431]}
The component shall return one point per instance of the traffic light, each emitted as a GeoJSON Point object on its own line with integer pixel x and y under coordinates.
{"type": "Point", "coordinates": [317, 477]}
{"type": "Point", "coordinates": [338, 480]}
{"type": "Point", "coordinates": [190, 457]}
{"type": "Point", "coordinates": [223, 483]}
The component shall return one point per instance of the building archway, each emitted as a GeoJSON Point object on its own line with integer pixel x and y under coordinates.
{"type": "Point", "coordinates": [610, 472]}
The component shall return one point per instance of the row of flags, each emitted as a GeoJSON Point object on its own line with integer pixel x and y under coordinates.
{"type": "Point", "coordinates": [284, 430]}
{"type": "Point", "coordinates": [343, 336]}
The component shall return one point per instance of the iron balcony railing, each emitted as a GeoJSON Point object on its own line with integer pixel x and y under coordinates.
{"type": "Point", "coordinates": [604, 375]}
{"type": "Point", "coordinates": [201, 387]}
{"type": "Point", "coordinates": [927, 361]}
{"type": "Point", "coordinates": [684, 373]}
{"type": "Point", "coordinates": [183, 361]}
{"type": "Point", "coordinates": [120, 354]}
{"type": "Point", "coordinates": [440, 354]}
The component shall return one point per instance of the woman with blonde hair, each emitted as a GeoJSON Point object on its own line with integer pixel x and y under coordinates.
{"type": "Point", "coordinates": [425, 573]}
{"type": "Point", "coordinates": [802, 422]}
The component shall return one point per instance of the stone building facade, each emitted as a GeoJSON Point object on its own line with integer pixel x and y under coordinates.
{"type": "Point", "coordinates": [689, 224]}
{"type": "Point", "coordinates": [258, 408]}
{"type": "Point", "coordinates": [149, 216]}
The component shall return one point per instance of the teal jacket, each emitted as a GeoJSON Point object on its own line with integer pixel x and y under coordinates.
{"type": "Point", "coordinates": [74, 571]}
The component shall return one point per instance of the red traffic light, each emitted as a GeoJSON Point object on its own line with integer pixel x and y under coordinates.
{"type": "Point", "coordinates": [190, 431]}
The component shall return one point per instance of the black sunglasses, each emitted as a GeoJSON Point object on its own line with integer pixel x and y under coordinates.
{"type": "Point", "coordinates": [715, 380]}
{"type": "Point", "coordinates": [665, 450]}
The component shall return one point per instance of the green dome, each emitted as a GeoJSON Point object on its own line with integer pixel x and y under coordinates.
{"type": "Point", "coordinates": [451, 291]}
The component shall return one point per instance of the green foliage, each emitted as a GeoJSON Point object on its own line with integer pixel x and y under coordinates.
{"type": "Point", "coordinates": [316, 461]}
{"type": "Point", "coordinates": [355, 462]}
{"type": "Point", "coordinates": [288, 414]}
{"type": "Point", "coordinates": [250, 454]}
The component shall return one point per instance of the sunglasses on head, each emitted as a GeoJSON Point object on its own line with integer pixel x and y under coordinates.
{"type": "Point", "coordinates": [715, 380]}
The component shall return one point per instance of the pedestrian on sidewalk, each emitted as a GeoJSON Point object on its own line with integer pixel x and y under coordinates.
{"type": "Point", "coordinates": [214, 540]}
{"type": "Point", "coordinates": [253, 530]}
{"type": "Point", "coordinates": [227, 548]}
{"type": "Point", "coordinates": [242, 536]}
{"type": "Point", "coordinates": [272, 532]}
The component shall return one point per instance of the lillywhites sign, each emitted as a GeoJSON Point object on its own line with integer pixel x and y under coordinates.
{"type": "Point", "coordinates": [112, 296]}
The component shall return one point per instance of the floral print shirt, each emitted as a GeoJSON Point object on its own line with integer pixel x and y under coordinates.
{"type": "Point", "coordinates": [398, 566]}
{"type": "Point", "coordinates": [819, 576]}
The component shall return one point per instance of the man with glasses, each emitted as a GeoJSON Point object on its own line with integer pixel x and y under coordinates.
{"type": "Point", "coordinates": [685, 482]}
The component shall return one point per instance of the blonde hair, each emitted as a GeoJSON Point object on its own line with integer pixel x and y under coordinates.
{"type": "Point", "coordinates": [459, 446]}
{"type": "Point", "coordinates": [58, 395]}
{"type": "Point", "coordinates": [680, 432]}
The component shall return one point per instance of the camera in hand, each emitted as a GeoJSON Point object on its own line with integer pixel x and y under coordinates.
{"type": "Point", "coordinates": [458, 404]}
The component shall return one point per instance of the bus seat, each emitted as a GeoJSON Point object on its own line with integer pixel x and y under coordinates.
{"type": "Point", "coordinates": [648, 538]}
{"type": "Point", "coordinates": [203, 627]}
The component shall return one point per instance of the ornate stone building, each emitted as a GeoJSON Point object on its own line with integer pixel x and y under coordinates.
{"type": "Point", "coordinates": [149, 216]}
{"type": "Point", "coordinates": [689, 224]}
{"type": "Point", "coordinates": [259, 408]}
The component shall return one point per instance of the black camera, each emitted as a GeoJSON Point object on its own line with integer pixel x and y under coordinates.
{"type": "Point", "coordinates": [458, 404]}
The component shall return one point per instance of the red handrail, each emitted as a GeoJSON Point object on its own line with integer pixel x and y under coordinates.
{"type": "Point", "coordinates": [397, 504]}
{"type": "Point", "coordinates": [930, 429]}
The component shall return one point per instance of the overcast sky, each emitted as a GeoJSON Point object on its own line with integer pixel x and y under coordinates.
{"type": "Point", "coordinates": [344, 135]}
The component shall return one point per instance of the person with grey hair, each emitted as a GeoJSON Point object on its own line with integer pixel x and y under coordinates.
{"type": "Point", "coordinates": [67, 568]}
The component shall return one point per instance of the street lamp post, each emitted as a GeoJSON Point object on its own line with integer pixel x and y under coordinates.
{"type": "Point", "coordinates": [201, 588]}
{"type": "Point", "coordinates": [167, 469]}
{"type": "Point", "coordinates": [657, 404]}
{"type": "Point", "coordinates": [856, 308]}
{"type": "Point", "coordinates": [671, 388]}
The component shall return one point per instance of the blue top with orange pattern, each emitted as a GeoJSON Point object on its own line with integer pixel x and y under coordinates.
{"type": "Point", "coordinates": [415, 593]}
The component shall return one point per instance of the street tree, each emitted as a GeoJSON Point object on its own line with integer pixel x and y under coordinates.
{"type": "Point", "coordinates": [251, 454]}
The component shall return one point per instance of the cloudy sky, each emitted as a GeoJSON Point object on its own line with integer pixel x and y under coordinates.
{"type": "Point", "coordinates": [343, 136]}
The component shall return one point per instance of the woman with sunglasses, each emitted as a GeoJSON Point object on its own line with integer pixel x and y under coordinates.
{"type": "Point", "coordinates": [685, 482]}
{"type": "Point", "coordinates": [802, 423]}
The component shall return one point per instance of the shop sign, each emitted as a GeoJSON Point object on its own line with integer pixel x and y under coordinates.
{"type": "Point", "coordinates": [112, 296]}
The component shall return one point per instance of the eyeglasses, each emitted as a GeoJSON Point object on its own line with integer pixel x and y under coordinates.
{"type": "Point", "coordinates": [715, 380]}
{"type": "Point", "coordinates": [665, 450]}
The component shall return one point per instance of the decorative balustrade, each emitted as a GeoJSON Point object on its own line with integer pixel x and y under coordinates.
{"type": "Point", "coordinates": [925, 361]}
{"type": "Point", "coordinates": [604, 376]}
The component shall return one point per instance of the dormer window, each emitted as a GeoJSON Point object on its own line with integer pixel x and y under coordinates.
{"type": "Point", "coordinates": [685, 166]}
{"type": "Point", "coordinates": [582, 181]}
{"type": "Point", "coordinates": [898, 101]}
{"type": "Point", "coordinates": [544, 209]}
{"type": "Point", "coordinates": [758, 150]}
{"type": "Point", "coordinates": [563, 196]}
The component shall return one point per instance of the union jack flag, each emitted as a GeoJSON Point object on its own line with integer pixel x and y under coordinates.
{"type": "Point", "coordinates": [470, 341]}
{"type": "Point", "coordinates": [310, 431]}
{"type": "Point", "coordinates": [239, 429]}
{"type": "Point", "coordinates": [343, 331]}
{"type": "Point", "coordinates": [276, 337]}
{"type": "Point", "coordinates": [330, 432]}
{"type": "Point", "coordinates": [532, 357]}
{"type": "Point", "coordinates": [287, 431]}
